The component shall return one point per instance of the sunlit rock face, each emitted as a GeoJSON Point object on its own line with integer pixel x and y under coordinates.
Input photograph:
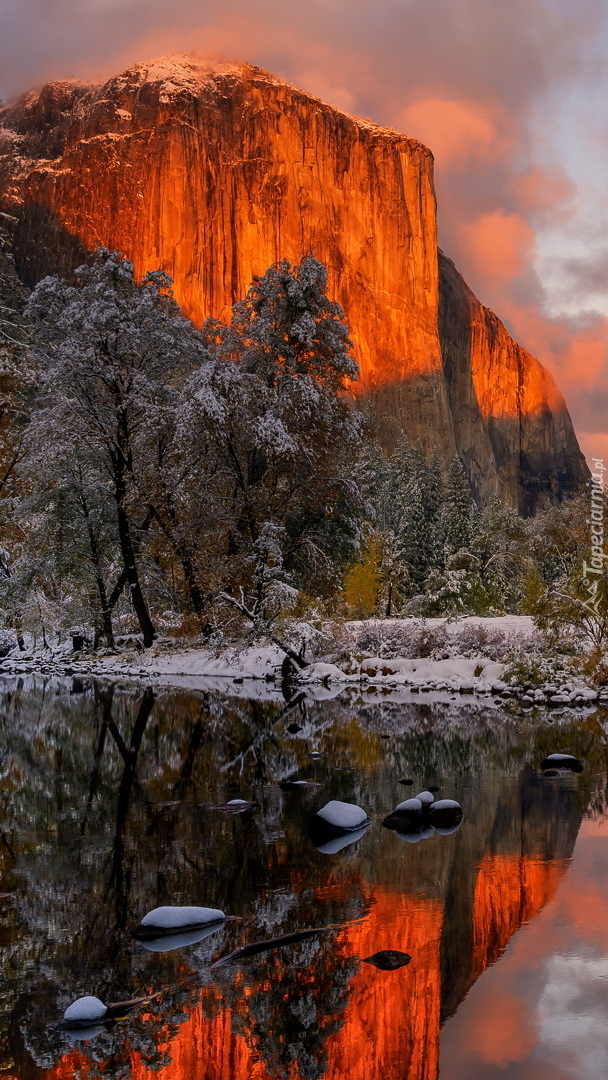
{"type": "Point", "coordinates": [215, 172]}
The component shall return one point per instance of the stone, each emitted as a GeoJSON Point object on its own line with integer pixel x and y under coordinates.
{"type": "Point", "coordinates": [171, 919]}
{"type": "Point", "coordinates": [445, 814]}
{"type": "Point", "coordinates": [406, 817]}
{"type": "Point", "coordinates": [85, 1010]}
{"type": "Point", "coordinates": [426, 798]}
{"type": "Point", "coordinates": [343, 816]}
{"type": "Point", "coordinates": [388, 959]}
{"type": "Point", "coordinates": [562, 761]}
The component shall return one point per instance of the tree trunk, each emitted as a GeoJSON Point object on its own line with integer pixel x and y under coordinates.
{"type": "Point", "coordinates": [106, 611]}
{"type": "Point", "coordinates": [175, 536]}
{"type": "Point", "coordinates": [128, 558]}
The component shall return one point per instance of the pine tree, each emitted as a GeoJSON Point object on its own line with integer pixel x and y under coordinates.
{"type": "Point", "coordinates": [457, 514]}
{"type": "Point", "coordinates": [287, 325]}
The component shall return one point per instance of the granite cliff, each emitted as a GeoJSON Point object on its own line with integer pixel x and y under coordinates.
{"type": "Point", "coordinates": [213, 172]}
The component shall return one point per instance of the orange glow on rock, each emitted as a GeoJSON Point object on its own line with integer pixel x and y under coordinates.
{"type": "Point", "coordinates": [509, 891]}
{"type": "Point", "coordinates": [214, 171]}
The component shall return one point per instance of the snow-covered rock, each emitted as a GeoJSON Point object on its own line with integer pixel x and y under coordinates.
{"type": "Point", "coordinates": [445, 814]}
{"type": "Point", "coordinates": [425, 797]}
{"type": "Point", "coordinates": [341, 815]}
{"type": "Point", "coordinates": [407, 817]}
{"type": "Point", "coordinates": [169, 920]}
{"type": "Point", "coordinates": [324, 673]}
{"type": "Point", "coordinates": [413, 805]}
{"type": "Point", "coordinates": [85, 1010]}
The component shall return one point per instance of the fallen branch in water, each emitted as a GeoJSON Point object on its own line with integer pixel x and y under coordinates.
{"type": "Point", "coordinates": [263, 946]}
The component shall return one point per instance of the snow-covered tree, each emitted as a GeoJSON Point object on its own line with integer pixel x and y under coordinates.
{"type": "Point", "coordinates": [458, 510]}
{"type": "Point", "coordinates": [276, 426]}
{"type": "Point", "coordinates": [113, 353]}
{"type": "Point", "coordinates": [17, 383]}
{"type": "Point", "coordinates": [287, 325]}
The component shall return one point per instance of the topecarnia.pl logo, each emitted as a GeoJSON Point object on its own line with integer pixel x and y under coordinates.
{"type": "Point", "coordinates": [595, 570]}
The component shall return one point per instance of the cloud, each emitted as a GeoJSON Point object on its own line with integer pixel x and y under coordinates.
{"type": "Point", "coordinates": [499, 246]}
{"type": "Point", "coordinates": [460, 132]}
{"type": "Point", "coordinates": [585, 275]}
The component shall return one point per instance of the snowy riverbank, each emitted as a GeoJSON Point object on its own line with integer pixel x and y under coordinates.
{"type": "Point", "coordinates": [457, 667]}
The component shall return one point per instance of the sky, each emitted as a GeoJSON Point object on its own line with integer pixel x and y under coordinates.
{"type": "Point", "coordinates": [510, 95]}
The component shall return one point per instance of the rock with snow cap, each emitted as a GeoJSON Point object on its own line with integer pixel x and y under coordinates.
{"type": "Point", "coordinates": [85, 1010]}
{"type": "Point", "coordinates": [88, 1016]}
{"type": "Point", "coordinates": [407, 817]}
{"type": "Point", "coordinates": [426, 798]}
{"type": "Point", "coordinates": [336, 819]}
{"type": "Point", "coordinates": [342, 815]}
{"type": "Point", "coordinates": [562, 761]}
{"type": "Point", "coordinates": [177, 920]}
{"type": "Point", "coordinates": [445, 814]}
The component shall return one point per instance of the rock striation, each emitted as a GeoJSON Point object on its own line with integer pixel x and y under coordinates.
{"type": "Point", "coordinates": [214, 171]}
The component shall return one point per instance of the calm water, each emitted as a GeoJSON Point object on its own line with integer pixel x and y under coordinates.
{"type": "Point", "coordinates": [506, 920]}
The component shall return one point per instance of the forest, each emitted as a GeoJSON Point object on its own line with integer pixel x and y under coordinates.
{"type": "Point", "coordinates": [160, 480]}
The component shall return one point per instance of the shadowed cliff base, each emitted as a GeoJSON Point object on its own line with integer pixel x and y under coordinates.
{"type": "Point", "coordinates": [214, 173]}
{"type": "Point", "coordinates": [511, 424]}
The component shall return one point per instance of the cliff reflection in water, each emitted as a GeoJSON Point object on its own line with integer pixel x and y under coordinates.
{"type": "Point", "coordinates": [103, 820]}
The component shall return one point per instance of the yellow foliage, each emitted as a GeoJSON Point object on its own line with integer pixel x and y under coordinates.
{"type": "Point", "coordinates": [362, 583]}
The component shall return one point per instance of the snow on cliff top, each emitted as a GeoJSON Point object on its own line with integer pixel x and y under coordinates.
{"type": "Point", "coordinates": [179, 72]}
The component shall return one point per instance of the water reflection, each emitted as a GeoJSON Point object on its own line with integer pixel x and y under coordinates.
{"type": "Point", "coordinates": [111, 807]}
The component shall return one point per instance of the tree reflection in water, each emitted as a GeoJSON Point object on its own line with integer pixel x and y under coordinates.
{"type": "Point", "coordinates": [103, 820]}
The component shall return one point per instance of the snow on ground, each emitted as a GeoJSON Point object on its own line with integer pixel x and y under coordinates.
{"type": "Point", "coordinates": [353, 663]}
{"type": "Point", "coordinates": [518, 626]}
{"type": "Point", "coordinates": [264, 662]}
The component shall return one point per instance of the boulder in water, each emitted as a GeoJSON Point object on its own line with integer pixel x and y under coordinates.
{"type": "Point", "coordinates": [343, 816]}
{"type": "Point", "coordinates": [388, 959]}
{"type": "Point", "coordinates": [562, 761]}
{"type": "Point", "coordinates": [334, 820]}
{"type": "Point", "coordinates": [445, 814]}
{"type": "Point", "coordinates": [426, 798]}
{"type": "Point", "coordinates": [170, 920]}
{"type": "Point", "coordinates": [88, 1016]}
{"type": "Point", "coordinates": [407, 817]}
{"type": "Point", "coordinates": [85, 1010]}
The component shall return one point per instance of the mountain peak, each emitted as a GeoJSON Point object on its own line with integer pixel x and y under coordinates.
{"type": "Point", "coordinates": [213, 169]}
